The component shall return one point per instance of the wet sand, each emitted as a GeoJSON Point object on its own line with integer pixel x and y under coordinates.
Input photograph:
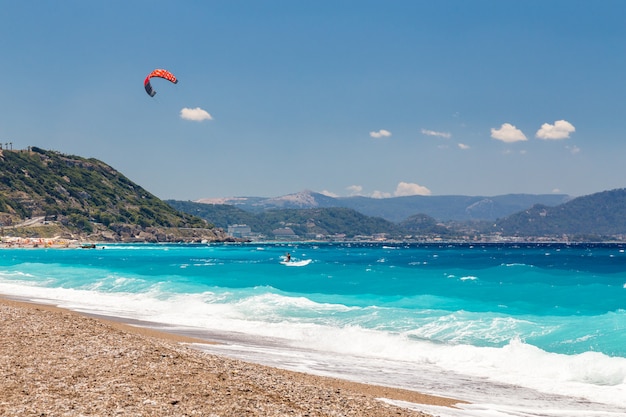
{"type": "Point", "coordinates": [56, 362]}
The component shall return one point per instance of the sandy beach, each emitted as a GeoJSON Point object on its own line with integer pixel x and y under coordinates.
{"type": "Point", "coordinates": [55, 362]}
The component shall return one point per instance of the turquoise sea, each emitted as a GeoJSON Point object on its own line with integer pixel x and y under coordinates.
{"type": "Point", "coordinates": [517, 330]}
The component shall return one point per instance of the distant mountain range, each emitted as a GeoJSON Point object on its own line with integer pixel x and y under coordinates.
{"type": "Point", "coordinates": [49, 194]}
{"type": "Point", "coordinates": [397, 209]}
{"type": "Point", "coordinates": [596, 217]}
{"type": "Point", "coordinates": [309, 214]}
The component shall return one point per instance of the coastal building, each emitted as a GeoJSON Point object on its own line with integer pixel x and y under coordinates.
{"type": "Point", "coordinates": [239, 231]}
{"type": "Point", "coordinates": [284, 233]}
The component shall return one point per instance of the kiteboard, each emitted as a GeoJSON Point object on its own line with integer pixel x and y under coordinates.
{"type": "Point", "coordinates": [303, 262]}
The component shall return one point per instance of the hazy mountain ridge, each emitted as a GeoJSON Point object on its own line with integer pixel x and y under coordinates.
{"type": "Point", "coordinates": [599, 216]}
{"type": "Point", "coordinates": [397, 209]}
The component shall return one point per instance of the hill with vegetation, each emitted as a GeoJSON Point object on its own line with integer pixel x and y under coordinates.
{"type": "Point", "coordinates": [598, 216]}
{"type": "Point", "coordinates": [310, 222]}
{"type": "Point", "coordinates": [315, 222]}
{"type": "Point", "coordinates": [46, 194]}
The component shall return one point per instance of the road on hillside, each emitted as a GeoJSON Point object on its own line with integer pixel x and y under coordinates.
{"type": "Point", "coordinates": [33, 221]}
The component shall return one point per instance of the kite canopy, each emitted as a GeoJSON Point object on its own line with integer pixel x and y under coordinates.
{"type": "Point", "coordinates": [160, 73]}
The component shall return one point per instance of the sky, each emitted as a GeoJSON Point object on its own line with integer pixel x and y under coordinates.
{"type": "Point", "coordinates": [377, 98]}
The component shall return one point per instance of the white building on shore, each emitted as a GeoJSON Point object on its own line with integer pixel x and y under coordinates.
{"type": "Point", "coordinates": [239, 231]}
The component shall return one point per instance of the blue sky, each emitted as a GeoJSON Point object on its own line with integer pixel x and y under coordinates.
{"type": "Point", "coordinates": [376, 98]}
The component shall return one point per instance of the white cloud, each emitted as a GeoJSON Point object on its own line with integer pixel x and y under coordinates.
{"type": "Point", "coordinates": [196, 115]}
{"type": "Point", "coordinates": [329, 193]}
{"type": "Point", "coordinates": [508, 133]}
{"type": "Point", "coordinates": [573, 149]}
{"type": "Point", "coordinates": [435, 133]}
{"type": "Point", "coordinates": [407, 188]}
{"type": "Point", "coordinates": [403, 189]}
{"type": "Point", "coordinates": [380, 194]}
{"type": "Point", "coordinates": [463, 146]}
{"type": "Point", "coordinates": [561, 129]}
{"type": "Point", "coordinates": [354, 189]}
{"type": "Point", "coordinates": [381, 133]}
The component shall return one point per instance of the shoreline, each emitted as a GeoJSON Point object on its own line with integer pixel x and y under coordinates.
{"type": "Point", "coordinates": [37, 243]}
{"type": "Point", "coordinates": [12, 242]}
{"type": "Point", "coordinates": [54, 358]}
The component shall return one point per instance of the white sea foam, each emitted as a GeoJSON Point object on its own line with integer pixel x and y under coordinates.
{"type": "Point", "coordinates": [469, 278]}
{"type": "Point", "coordinates": [270, 322]}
